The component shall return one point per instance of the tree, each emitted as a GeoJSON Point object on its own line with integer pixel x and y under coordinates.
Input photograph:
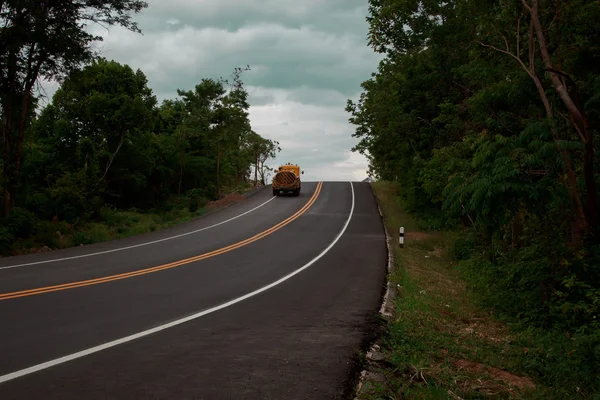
{"type": "Point", "coordinates": [44, 39]}
{"type": "Point", "coordinates": [217, 118]}
{"type": "Point", "coordinates": [485, 113]}
{"type": "Point", "coordinates": [231, 118]}
{"type": "Point", "coordinates": [261, 150]}
{"type": "Point", "coordinates": [196, 135]}
{"type": "Point", "coordinates": [100, 112]}
{"type": "Point", "coordinates": [522, 32]}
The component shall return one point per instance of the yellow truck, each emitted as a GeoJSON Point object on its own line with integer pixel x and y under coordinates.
{"type": "Point", "coordinates": [287, 179]}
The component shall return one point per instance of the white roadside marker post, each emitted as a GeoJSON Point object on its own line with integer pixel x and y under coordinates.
{"type": "Point", "coordinates": [401, 237]}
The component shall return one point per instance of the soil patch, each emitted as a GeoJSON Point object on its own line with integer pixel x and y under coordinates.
{"type": "Point", "coordinates": [417, 235]}
{"type": "Point", "coordinates": [494, 373]}
{"type": "Point", "coordinates": [225, 201]}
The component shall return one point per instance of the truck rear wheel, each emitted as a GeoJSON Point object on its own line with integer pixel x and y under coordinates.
{"type": "Point", "coordinates": [275, 192]}
{"type": "Point", "coordinates": [297, 192]}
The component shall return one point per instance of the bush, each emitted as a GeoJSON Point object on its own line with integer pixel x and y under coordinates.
{"type": "Point", "coordinates": [80, 238]}
{"type": "Point", "coordinates": [21, 223]}
{"type": "Point", "coordinates": [6, 237]}
{"type": "Point", "coordinates": [195, 200]}
{"type": "Point", "coordinates": [94, 234]}
{"type": "Point", "coordinates": [46, 234]}
{"type": "Point", "coordinates": [41, 204]}
{"type": "Point", "coordinates": [463, 248]}
{"type": "Point", "coordinates": [567, 363]}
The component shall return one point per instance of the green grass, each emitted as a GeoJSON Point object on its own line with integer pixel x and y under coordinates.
{"type": "Point", "coordinates": [441, 344]}
{"type": "Point", "coordinates": [393, 208]}
{"type": "Point", "coordinates": [122, 224]}
{"type": "Point", "coordinates": [110, 225]}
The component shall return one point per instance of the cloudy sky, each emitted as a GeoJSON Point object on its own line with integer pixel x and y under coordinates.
{"type": "Point", "coordinates": [306, 58]}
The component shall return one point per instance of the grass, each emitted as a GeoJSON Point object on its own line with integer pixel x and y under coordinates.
{"type": "Point", "coordinates": [111, 224]}
{"type": "Point", "coordinates": [440, 344]}
{"type": "Point", "coordinates": [32, 235]}
{"type": "Point", "coordinates": [122, 224]}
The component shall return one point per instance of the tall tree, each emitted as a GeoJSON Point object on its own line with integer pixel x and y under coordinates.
{"type": "Point", "coordinates": [105, 110]}
{"type": "Point", "coordinates": [44, 39]}
{"type": "Point", "coordinates": [534, 35]}
{"type": "Point", "coordinates": [261, 150]}
{"type": "Point", "coordinates": [487, 111]}
{"type": "Point", "coordinates": [218, 117]}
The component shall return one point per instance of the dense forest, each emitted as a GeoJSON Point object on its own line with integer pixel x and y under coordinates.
{"type": "Point", "coordinates": [486, 114]}
{"type": "Point", "coordinates": [103, 143]}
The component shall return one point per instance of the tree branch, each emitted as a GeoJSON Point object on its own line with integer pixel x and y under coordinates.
{"type": "Point", "coordinates": [562, 73]}
{"type": "Point", "coordinates": [519, 36]}
{"type": "Point", "coordinates": [508, 53]}
{"type": "Point", "coordinates": [581, 135]}
{"type": "Point", "coordinates": [114, 155]}
{"type": "Point", "coordinates": [531, 49]}
{"type": "Point", "coordinates": [578, 116]}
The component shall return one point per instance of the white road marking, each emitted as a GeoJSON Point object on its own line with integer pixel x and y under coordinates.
{"type": "Point", "coordinates": [136, 245]}
{"type": "Point", "coordinates": [108, 345]}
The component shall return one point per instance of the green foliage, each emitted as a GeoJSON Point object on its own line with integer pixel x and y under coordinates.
{"type": "Point", "coordinates": [464, 114]}
{"type": "Point", "coordinates": [6, 238]}
{"type": "Point", "coordinates": [20, 222]}
{"type": "Point", "coordinates": [45, 40]}
{"type": "Point", "coordinates": [435, 314]}
{"type": "Point", "coordinates": [195, 200]}
{"type": "Point", "coordinates": [105, 144]}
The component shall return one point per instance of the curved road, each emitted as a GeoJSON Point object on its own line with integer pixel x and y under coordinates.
{"type": "Point", "coordinates": [267, 299]}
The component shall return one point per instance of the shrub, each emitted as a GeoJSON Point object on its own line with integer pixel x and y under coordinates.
{"type": "Point", "coordinates": [6, 237]}
{"type": "Point", "coordinates": [21, 223]}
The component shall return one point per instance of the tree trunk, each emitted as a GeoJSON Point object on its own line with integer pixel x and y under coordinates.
{"type": "Point", "coordinates": [261, 172]}
{"type": "Point", "coordinates": [578, 118]}
{"type": "Point", "coordinates": [180, 150]}
{"type": "Point", "coordinates": [256, 171]}
{"type": "Point", "coordinates": [9, 166]}
{"type": "Point", "coordinates": [591, 200]}
{"type": "Point", "coordinates": [180, 173]}
{"type": "Point", "coordinates": [580, 224]}
{"type": "Point", "coordinates": [6, 165]}
{"type": "Point", "coordinates": [218, 170]}
{"type": "Point", "coordinates": [8, 192]}
{"type": "Point", "coordinates": [7, 127]}
{"type": "Point", "coordinates": [17, 90]}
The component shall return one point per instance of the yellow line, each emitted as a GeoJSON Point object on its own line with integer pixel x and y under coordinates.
{"type": "Point", "coordinates": [96, 281]}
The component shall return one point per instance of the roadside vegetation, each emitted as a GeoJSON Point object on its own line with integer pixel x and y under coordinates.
{"type": "Point", "coordinates": [444, 340]}
{"type": "Point", "coordinates": [481, 123]}
{"type": "Point", "coordinates": [103, 159]}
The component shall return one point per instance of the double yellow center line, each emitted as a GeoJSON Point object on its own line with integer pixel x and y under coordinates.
{"type": "Point", "coordinates": [96, 281]}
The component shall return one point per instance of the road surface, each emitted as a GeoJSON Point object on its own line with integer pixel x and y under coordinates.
{"type": "Point", "coordinates": [268, 299]}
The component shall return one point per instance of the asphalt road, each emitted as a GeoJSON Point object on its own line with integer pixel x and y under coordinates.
{"type": "Point", "coordinates": [268, 299]}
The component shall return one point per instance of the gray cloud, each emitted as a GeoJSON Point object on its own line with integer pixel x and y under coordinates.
{"type": "Point", "coordinates": [323, 15]}
{"type": "Point", "coordinates": [279, 56]}
{"type": "Point", "coordinates": [307, 57]}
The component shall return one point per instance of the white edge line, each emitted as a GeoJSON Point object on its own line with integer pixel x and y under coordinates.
{"type": "Point", "coordinates": [135, 245]}
{"type": "Point", "coordinates": [83, 353]}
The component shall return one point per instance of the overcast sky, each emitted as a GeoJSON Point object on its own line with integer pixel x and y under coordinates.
{"type": "Point", "coordinates": [306, 57]}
